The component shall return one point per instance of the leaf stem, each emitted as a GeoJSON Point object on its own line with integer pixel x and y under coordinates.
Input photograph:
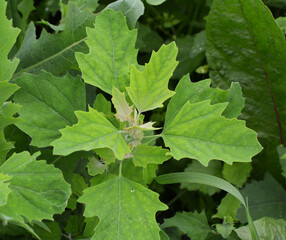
{"type": "Point", "coordinates": [120, 168]}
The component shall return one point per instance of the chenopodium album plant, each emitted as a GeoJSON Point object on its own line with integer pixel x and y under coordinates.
{"type": "Point", "coordinates": [200, 123]}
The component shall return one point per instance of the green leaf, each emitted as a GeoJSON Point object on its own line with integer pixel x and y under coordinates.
{"type": "Point", "coordinates": [281, 21]}
{"type": "Point", "coordinates": [123, 110]}
{"type": "Point", "coordinates": [282, 154]}
{"type": "Point", "coordinates": [92, 131]}
{"type": "Point", "coordinates": [227, 209]}
{"type": "Point", "coordinates": [34, 201]}
{"type": "Point", "coordinates": [144, 154]}
{"type": "Point", "coordinates": [95, 167]}
{"type": "Point", "coordinates": [237, 173]}
{"type": "Point", "coordinates": [6, 90]}
{"type": "Point", "coordinates": [189, 135]}
{"type": "Point", "coordinates": [266, 198]}
{"type": "Point", "coordinates": [54, 53]}
{"type": "Point", "coordinates": [153, 80]}
{"type": "Point", "coordinates": [111, 52]}
{"type": "Point", "coordinates": [191, 53]}
{"type": "Point", "coordinates": [195, 225]}
{"type": "Point", "coordinates": [186, 91]}
{"type": "Point", "coordinates": [214, 168]}
{"type": "Point", "coordinates": [268, 228]}
{"type": "Point", "coordinates": [252, 52]}
{"type": "Point", "coordinates": [7, 40]}
{"type": "Point", "coordinates": [89, 4]}
{"type": "Point", "coordinates": [133, 209]}
{"type": "Point", "coordinates": [224, 229]}
{"type": "Point", "coordinates": [132, 9]}
{"type": "Point", "coordinates": [40, 96]}
{"type": "Point", "coordinates": [102, 105]}
{"type": "Point", "coordinates": [4, 188]}
{"type": "Point", "coordinates": [155, 2]}
{"type": "Point", "coordinates": [55, 232]}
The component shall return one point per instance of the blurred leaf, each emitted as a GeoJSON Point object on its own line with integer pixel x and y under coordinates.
{"type": "Point", "coordinates": [55, 232]}
{"type": "Point", "coordinates": [281, 21]}
{"type": "Point", "coordinates": [195, 224]}
{"type": "Point", "coordinates": [224, 229]}
{"type": "Point", "coordinates": [282, 154]}
{"type": "Point", "coordinates": [95, 167]}
{"type": "Point", "coordinates": [155, 2]}
{"type": "Point", "coordinates": [4, 188]}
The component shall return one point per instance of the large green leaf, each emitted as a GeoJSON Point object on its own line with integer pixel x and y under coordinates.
{"type": "Point", "coordinates": [144, 154]}
{"type": "Point", "coordinates": [55, 52]}
{"type": "Point", "coordinates": [267, 228]}
{"type": "Point", "coordinates": [252, 52]}
{"type": "Point", "coordinates": [195, 224]}
{"type": "Point", "coordinates": [149, 88]}
{"type": "Point", "coordinates": [126, 210]}
{"type": "Point", "coordinates": [7, 39]}
{"type": "Point", "coordinates": [48, 105]}
{"type": "Point", "coordinates": [92, 131]}
{"type": "Point", "coordinates": [132, 9]}
{"type": "Point", "coordinates": [111, 52]}
{"type": "Point", "coordinates": [199, 131]}
{"type": "Point", "coordinates": [200, 91]}
{"type": "Point", "coordinates": [38, 190]}
{"type": "Point", "coordinates": [266, 198]}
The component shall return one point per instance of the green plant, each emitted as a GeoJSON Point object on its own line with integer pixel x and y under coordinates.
{"type": "Point", "coordinates": [94, 151]}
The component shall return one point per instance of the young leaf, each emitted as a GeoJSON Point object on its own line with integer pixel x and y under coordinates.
{"type": "Point", "coordinates": [34, 201]}
{"type": "Point", "coordinates": [195, 224]}
{"type": "Point", "coordinates": [123, 110]}
{"type": "Point", "coordinates": [40, 96]}
{"type": "Point", "coordinates": [237, 173]}
{"type": "Point", "coordinates": [144, 154]}
{"type": "Point", "coordinates": [111, 52]}
{"type": "Point", "coordinates": [268, 228]}
{"type": "Point", "coordinates": [132, 9]}
{"type": "Point", "coordinates": [214, 168]}
{"type": "Point", "coordinates": [4, 188]}
{"type": "Point", "coordinates": [7, 39]}
{"type": "Point", "coordinates": [199, 131]}
{"type": "Point", "coordinates": [265, 198]}
{"type": "Point", "coordinates": [54, 53]}
{"type": "Point", "coordinates": [252, 52]}
{"type": "Point", "coordinates": [133, 209]}
{"type": "Point", "coordinates": [92, 131]}
{"type": "Point", "coordinates": [200, 91]}
{"type": "Point", "coordinates": [149, 88]}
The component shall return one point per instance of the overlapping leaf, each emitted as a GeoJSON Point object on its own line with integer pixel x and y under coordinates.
{"type": "Point", "coordinates": [149, 88]}
{"type": "Point", "coordinates": [8, 37]}
{"type": "Point", "coordinates": [55, 52]}
{"type": "Point", "coordinates": [252, 52]}
{"type": "Point", "coordinates": [111, 52]}
{"type": "Point", "coordinates": [48, 105]}
{"type": "Point", "coordinates": [92, 131]}
{"type": "Point", "coordinates": [4, 188]}
{"type": "Point", "coordinates": [126, 210]}
{"type": "Point", "coordinates": [30, 201]}
{"type": "Point", "coordinates": [199, 131]}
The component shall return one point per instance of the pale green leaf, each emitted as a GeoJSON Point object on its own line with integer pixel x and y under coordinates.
{"type": "Point", "coordinates": [155, 2]}
{"type": "Point", "coordinates": [237, 173]}
{"type": "Point", "coordinates": [126, 210]}
{"type": "Point", "coordinates": [224, 229]}
{"type": "Point", "coordinates": [281, 21]}
{"type": "Point", "coordinates": [28, 200]}
{"type": "Point", "coordinates": [282, 155]}
{"type": "Point", "coordinates": [89, 4]}
{"type": "Point", "coordinates": [153, 80]}
{"type": "Point", "coordinates": [54, 53]}
{"type": "Point", "coordinates": [194, 224]}
{"type": "Point", "coordinates": [267, 228]}
{"type": "Point", "coordinates": [200, 91]}
{"type": "Point", "coordinates": [132, 9]}
{"type": "Point", "coordinates": [95, 167]}
{"type": "Point", "coordinates": [4, 188]}
{"type": "Point", "coordinates": [7, 39]}
{"type": "Point", "coordinates": [123, 110]}
{"type": "Point", "coordinates": [144, 154]}
{"type": "Point", "coordinates": [199, 131]}
{"type": "Point", "coordinates": [111, 52]}
{"type": "Point", "coordinates": [48, 105]}
{"type": "Point", "coordinates": [92, 131]}
{"type": "Point", "coordinates": [106, 154]}
{"type": "Point", "coordinates": [266, 198]}
{"type": "Point", "coordinates": [227, 209]}
{"type": "Point", "coordinates": [214, 168]}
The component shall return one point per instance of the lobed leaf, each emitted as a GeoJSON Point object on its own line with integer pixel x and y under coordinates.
{"type": "Point", "coordinates": [111, 52]}
{"type": "Point", "coordinates": [92, 131]}
{"type": "Point", "coordinates": [149, 88]}
{"type": "Point", "coordinates": [133, 209]}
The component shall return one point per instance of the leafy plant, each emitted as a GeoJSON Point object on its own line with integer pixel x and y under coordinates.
{"type": "Point", "coordinates": [79, 147]}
